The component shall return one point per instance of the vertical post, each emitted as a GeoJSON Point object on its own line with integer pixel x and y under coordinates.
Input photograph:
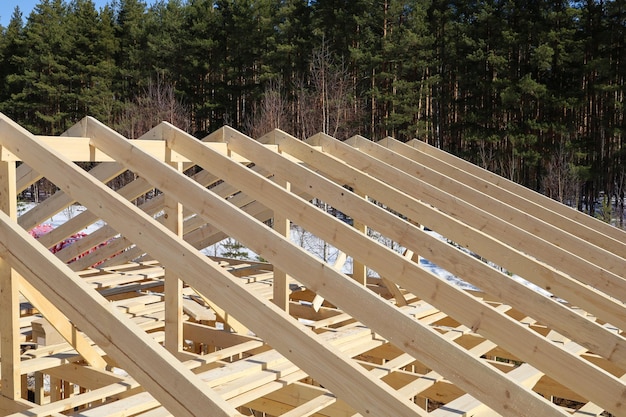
{"type": "Point", "coordinates": [359, 270]}
{"type": "Point", "coordinates": [40, 394]}
{"type": "Point", "coordinates": [281, 279]}
{"type": "Point", "coordinates": [173, 220]}
{"type": "Point", "coordinates": [9, 298]}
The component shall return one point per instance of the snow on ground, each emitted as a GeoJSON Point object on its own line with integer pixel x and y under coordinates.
{"type": "Point", "coordinates": [61, 217]}
{"type": "Point", "coordinates": [300, 237]}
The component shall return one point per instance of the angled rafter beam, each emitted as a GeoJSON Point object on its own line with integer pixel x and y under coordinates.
{"type": "Point", "coordinates": [533, 203]}
{"type": "Point", "coordinates": [388, 187]}
{"type": "Point", "coordinates": [587, 263]}
{"type": "Point", "coordinates": [593, 336]}
{"type": "Point", "coordinates": [60, 200]}
{"type": "Point", "coordinates": [281, 331]}
{"type": "Point", "coordinates": [524, 195]}
{"type": "Point", "coordinates": [128, 345]}
{"type": "Point", "coordinates": [319, 277]}
{"type": "Point", "coordinates": [450, 299]}
{"type": "Point", "coordinates": [177, 388]}
{"type": "Point", "coordinates": [529, 216]}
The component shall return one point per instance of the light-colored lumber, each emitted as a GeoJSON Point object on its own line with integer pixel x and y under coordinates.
{"type": "Point", "coordinates": [515, 227]}
{"type": "Point", "coordinates": [594, 225]}
{"type": "Point", "coordinates": [84, 376]}
{"type": "Point", "coordinates": [284, 255]}
{"type": "Point", "coordinates": [139, 354]}
{"type": "Point", "coordinates": [495, 204]}
{"type": "Point", "coordinates": [173, 220]}
{"type": "Point", "coordinates": [280, 283]}
{"type": "Point", "coordinates": [409, 275]}
{"type": "Point", "coordinates": [62, 325]}
{"type": "Point", "coordinates": [291, 339]}
{"type": "Point", "coordinates": [514, 293]}
{"type": "Point", "coordinates": [10, 380]}
{"type": "Point", "coordinates": [80, 150]}
{"type": "Point", "coordinates": [131, 347]}
{"type": "Point", "coordinates": [26, 176]}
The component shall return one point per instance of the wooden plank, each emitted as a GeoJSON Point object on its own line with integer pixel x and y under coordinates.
{"type": "Point", "coordinates": [80, 150]}
{"type": "Point", "coordinates": [590, 222]}
{"type": "Point", "coordinates": [26, 176]}
{"type": "Point", "coordinates": [173, 220]}
{"type": "Point", "coordinates": [465, 309]}
{"type": "Point", "coordinates": [359, 269]}
{"type": "Point", "coordinates": [280, 282]}
{"type": "Point", "coordinates": [66, 329]}
{"type": "Point", "coordinates": [8, 406]}
{"type": "Point", "coordinates": [84, 219]}
{"type": "Point", "coordinates": [603, 305]}
{"type": "Point", "coordinates": [130, 347]}
{"type": "Point", "coordinates": [284, 255]}
{"type": "Point", "coordinates": [86, 377]}
{"type": "Point", "coordinates": [140, 355]}
{"type": "Point", "coordinates": [59, 200]}
{"type": "Point", "coordinates": [311, 407]}
{"type": "Point", "coordinates": [278, 328]}
{"type": "Point", "coordinates": [500, 220]}
{"type": "Point", "coordinates": [10, 379]}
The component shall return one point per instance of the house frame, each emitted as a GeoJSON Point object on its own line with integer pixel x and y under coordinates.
{"type": "Point", "coordinates": [293, 334]}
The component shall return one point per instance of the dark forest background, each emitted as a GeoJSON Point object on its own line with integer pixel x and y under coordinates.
{"type": "Point", "coordinates": [532, 90]}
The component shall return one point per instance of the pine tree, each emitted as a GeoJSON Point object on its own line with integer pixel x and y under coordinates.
{"type": "Point", "coordinates": [131, 52]}
{"type": "Point", "coordinates": [92, 63]}
{"type": "Point", "coordinates": [13, 60]}
{"type": "Point", "coordinates": [41, 89]}
{"type": "Point", "coordinates": [202, 59]}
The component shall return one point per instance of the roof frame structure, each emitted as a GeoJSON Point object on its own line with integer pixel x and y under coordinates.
{"type": "Point", "coordinates": [239, 185]}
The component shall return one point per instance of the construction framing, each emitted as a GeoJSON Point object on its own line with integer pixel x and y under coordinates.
{"type": "Point", "coordinates": [158, 328]}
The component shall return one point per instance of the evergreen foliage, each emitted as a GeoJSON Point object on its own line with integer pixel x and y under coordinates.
{"type": "Point", "coordinates": [505, 84]}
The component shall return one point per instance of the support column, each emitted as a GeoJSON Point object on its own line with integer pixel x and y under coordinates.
{"type": "Point", "coordinates": [9, 296]}
{"type": "Point", "coordinates": [359, 270]}
{"type": "Point", "coordinates": [281, 279]}
{"type": "Point", "coordinates": [173, 220]}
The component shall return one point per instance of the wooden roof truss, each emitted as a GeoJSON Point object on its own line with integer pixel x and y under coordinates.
{"type": "Point", "coordinates": [540, 333]}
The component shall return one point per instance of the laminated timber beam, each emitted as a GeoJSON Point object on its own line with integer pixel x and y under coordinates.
{"type": "Point", "coordinates": [587, 263]}
{"type": "Point", "coordinates": [80, 150]}
{"type": "Point", "coordinates": [592, 230]}
{"type": "Point", "coordinates": [10, 380]}
{"type": "Point", "coordinates": [604, 251]}
{"type": "Point", "coordinates": [322, 279]}
{"type": "Point", "coordinates": [458, 304]}
{"type": "Point", "coordinates": [571, 324]}
{"type": "Point", "coordinates": [292, 339]}
{"type": "Point", "coordinates": [129, 346]}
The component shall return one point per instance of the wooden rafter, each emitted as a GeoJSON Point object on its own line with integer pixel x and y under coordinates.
{"type": "Point", "coordinates": [400, 342]}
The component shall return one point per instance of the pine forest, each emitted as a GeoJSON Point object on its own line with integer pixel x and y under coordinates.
{"type": "Point", "coordinates": [530, 89]}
